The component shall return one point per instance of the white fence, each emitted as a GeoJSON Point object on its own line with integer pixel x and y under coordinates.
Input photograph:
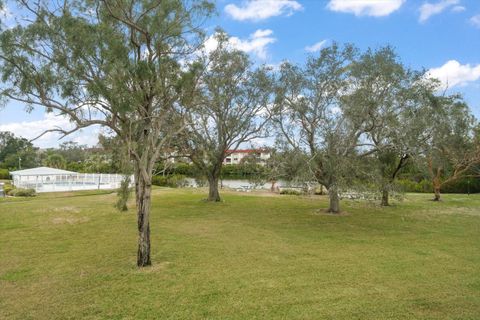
{"type": "Point", "coordinates": [69, 182]}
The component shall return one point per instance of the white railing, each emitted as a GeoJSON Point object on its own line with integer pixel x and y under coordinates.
{"type": "Point", "coordinates": [69, 182]}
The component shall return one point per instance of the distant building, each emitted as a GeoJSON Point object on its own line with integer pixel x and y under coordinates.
{"type": "Point", "coordinates": [45, 179]}
{"type": "Point", "coordinates": [236, 156]}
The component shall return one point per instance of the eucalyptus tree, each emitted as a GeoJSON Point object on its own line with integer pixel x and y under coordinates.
{"type": "Point", "coordinates": [393, 101]}
{"type": "Point", "coordinates": [230, 107]}
{"type": "Point", "coordinates": [109, 63]}
{"type": "Point", "coordinates": [312, 119]}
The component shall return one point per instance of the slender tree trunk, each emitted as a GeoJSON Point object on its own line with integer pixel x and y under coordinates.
{"type": "Point", "coordinates": [143, 188]}
{"type": "Point", "coordinates": [385, 197]}
{"type": "Point", "coordinates": [436, 187]}
{"type": "Point", "coordinates": [272, 188]}
{"type": "Point", "coordinates": [436, 191]}
{"type": "Point", "coordinates": [213, 194]}
{"type": "Point", "coordinates": [334, 199]}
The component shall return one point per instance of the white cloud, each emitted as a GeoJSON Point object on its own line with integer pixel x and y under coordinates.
{"type": "Point", "coordinates": [375, 8]}
{"type": "Point", "coordinates": [256, 10]}
{"type": "Point", "coordinates": [458, 9]}
{"type": "Point", "coordinates": [32, 129]}
{"type": "Point", "coordinates": [256, 44]}
{"type": "Point", "coordinates": [430, 9]}
{"type": "Point", "coordinates": [453, 74]}
{"type": "Point", "coordinates": [475, 20]}
{"type": "Point", "coordinates": [316, 47]}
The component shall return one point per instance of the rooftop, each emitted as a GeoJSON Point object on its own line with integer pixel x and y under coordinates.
{"type": "Point", "coordinates": [41, 171]}
{"type": "Point", "coordinates": [247, 151]}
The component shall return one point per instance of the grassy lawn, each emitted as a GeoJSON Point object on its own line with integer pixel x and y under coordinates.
{"type": "Point", "coordinates": [72, 256]}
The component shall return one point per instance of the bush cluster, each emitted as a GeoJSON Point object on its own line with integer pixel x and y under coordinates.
{"type": "Point", "coordinates": [7, 187]}
{"type": "Point", "coordinates": [423, 186]}
{"type": "Point", "coordinates": [172, 181]}
{"type": "Point", "coordinates": [22, 192]}
{"type": "Point", "coordinates": [4, 174]}
{"type": "Point", "coordinates": [291, 192]}
{"type": "Point", "coordinates": [466, 185]}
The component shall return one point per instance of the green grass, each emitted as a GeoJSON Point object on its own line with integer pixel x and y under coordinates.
{"type": "Point", "coordinates": [72, 256]}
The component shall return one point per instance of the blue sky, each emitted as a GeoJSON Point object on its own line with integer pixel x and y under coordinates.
{"type": "Point", "coordinates": [439, 35]}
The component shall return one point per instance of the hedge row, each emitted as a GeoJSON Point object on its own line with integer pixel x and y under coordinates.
{"type": "Point", "coordinates": [467, 185]}
{"type": "Point", "coordinates": [172, 181]}
{"type": "Point", "coordinates": [228, 171]}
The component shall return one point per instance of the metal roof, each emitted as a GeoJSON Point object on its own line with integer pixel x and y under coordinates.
{"type": "Point", "coordinates": [40, 171]}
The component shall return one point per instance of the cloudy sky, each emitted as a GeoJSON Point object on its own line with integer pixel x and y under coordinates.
{"type": "Point", "coordinates": [442, 36]}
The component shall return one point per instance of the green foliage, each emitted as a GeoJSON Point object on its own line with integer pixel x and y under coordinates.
{"type": "Point", "coordinates": [17, 152]}
{"type": "Point", "coordinates": [172, 181]}
{"type": "Point", "coordinates": [4, 174]}
{"type": "Point", "coordinates": [241, 171]}
{"type": "Point", "coordinates": [7, 187]}
{"type": "Point", "coordinates": [56, 160]}
{"type": "Point", "coordinates": [184, 169]}
{"type": "Point", "coordinates": [123, 194]}
{"type": "Point", "coordinates": [423, 186]}
{"type": "Point", "coordinates": [465, 185]}
{"type": "Point", "coordinates": [20, 192]}
{"type": "Point", "coordinates": [291, 192]}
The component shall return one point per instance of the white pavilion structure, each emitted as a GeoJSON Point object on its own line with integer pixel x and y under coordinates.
{"type": "Point", "coordinates": [45, 179]}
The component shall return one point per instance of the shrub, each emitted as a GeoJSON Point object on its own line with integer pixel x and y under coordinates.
{"type": "Point", "coordinates": [172, 181]}
{"type": "Point", "coordinates": [184, 169]}
{"type": "Point", "coordinates": [4, 174]}
{"type": "Point", "coordinates": [424, 186]}
{"type": "Point", "coordinates": [22, 192]}
{"type": "Point", "coordinates": [7, 187]}
{"type": "Point", "coordinates": [291, 192]}
{"type": "Point", "coordinates": [123, 194]}
{"type": "Point", "coordinates": [466, 185]}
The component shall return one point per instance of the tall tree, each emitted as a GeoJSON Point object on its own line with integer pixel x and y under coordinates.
{"type": "Point", "coordinates": [312, 118]}
{"type": "Point", "coordinates": [453, 150]}
{"type": "Point", "coordinates": [393, 98]}
{"type": "Point", "coordinates": [56, 160]}
{"type": "Point", "coordinates": [17, 153]}
{"type": "Point", "coordinates": [230, 108]}
{"type": "Point", "coordinates": [108, 63]}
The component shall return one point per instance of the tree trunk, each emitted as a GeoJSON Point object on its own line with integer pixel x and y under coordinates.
{"type": "Point", "coordinates": [334, 200]}
{"type": "Point", "coordinates": [213, 194]}
{"type": "Point", "coordinates": [272, 188]}
{"type": "Point", "coordinates": [385, 197]}
{"type": "Point", "coordinates": [436, 190]}
{"type": "Point", "coordinates": [436, 182]}
{"type": "Point", "coordinates": [143, 188]}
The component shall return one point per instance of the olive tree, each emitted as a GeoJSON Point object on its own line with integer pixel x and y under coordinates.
{"type": "Point", "coordinates": [113, 64]}
{"type": "Point", "coordinates": [229, 108]}
{"type": "Point", "coordinates": [313, 119]}
{"type": "Point", "coordinates": [394, 101]}
{"type": "Point", "coordinates": [453, 150]}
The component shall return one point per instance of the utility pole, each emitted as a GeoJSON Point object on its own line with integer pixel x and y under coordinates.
{"type": "Point", "coordinates": [19, 163]}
